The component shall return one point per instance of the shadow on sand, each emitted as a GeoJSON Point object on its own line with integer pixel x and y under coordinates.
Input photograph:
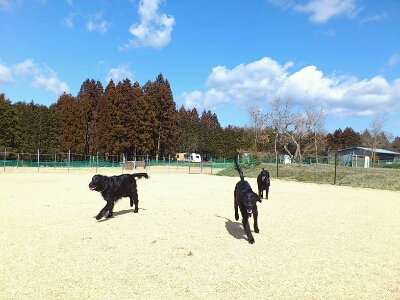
{"type": "Point", "coordinates": [119, 213]}
{"type": "Point", "coordinates": [234, 228]}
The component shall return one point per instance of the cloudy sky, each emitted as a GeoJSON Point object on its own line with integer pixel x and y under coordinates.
{"type": "Point", "coordinates": [342, 56]}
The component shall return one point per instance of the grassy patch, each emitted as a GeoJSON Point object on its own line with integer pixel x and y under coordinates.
{"type": "Point", "coordinates": [391, 166]}
{"type": "Point", "coordinates": [375, 178]}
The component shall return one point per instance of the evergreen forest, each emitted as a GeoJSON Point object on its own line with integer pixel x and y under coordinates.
{"type": "Point", "coordinates": [128, 119]}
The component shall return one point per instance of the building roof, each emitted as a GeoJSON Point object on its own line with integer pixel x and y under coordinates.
{"type": "Point", "coordinates": [383, 151]}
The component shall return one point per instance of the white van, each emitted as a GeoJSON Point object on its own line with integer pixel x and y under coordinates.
{"type": "Point", "coordinates": [194, 157]}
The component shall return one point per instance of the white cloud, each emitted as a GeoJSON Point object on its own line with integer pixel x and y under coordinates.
{"type": "Point", "coordinates": [27, 68]}
{"type": "Point", "coordinates": [9, 5]}
{"type": "Point", "coordinates": [68, 21]}
{"type": "Point", "coordinates": [282, 3]}
{"type": "Point", "coordinates": [42, 77]}
{"type": "Point", "coordinates": [48, 80]}
{"type": "Point", "coordinates": [261, 81]}
{"type": "Point", "coordinates": [374, 18]}
{"type": "Point", "coordinates": [119, 74]}
{"type": "Point", "coordinates": [97, 24]}
{"type": "Point", "coordinates": [330, 32]}
{"type": "Point", "coordinates": [394, 59]}
{"type": "Point", "coordinates": [323, 10]}
{"type": "Point", "coordinates": [212, 99]}
{"type": "Point", "coordinates": [154, 29]}
{"type": "Point", "coordinates": [101, 27]}
{"type": "Point", "coordinates": [5, 4]}
{"type": "Point", "coordinates": [5, 74]}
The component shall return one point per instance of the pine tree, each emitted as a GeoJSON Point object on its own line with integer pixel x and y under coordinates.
{"type": "Point", "coordinates": [189, 123]}
{"type": "Point", "coordinates": [146, 117]}
{"type": "Point", "coordinates": [105, 120]}
{"type": "Point", "coordinates": [89, 96]}
{"type": "Point", "coordinates": [166, 130]}
{"type": "Point", "coordinates": [211, 135]}
{"type": "Point", "coordinates": [7, 125]}
{"type": "Point", "coordinates": [73, 123]}
{"type": "Point", "coordinates": [127, 104]}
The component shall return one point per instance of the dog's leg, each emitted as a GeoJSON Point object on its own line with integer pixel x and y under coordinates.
{"type": "Point", "coordinates": [266, 192]}
{"type": "Point", "coordinates": [246, 227]}
{"type": "Point", "coordinates": [135, 200]}
{"type": "Point", "coordinates": [255, 216]}
{"type": "Point", "coordinates": [235, 205]}
{"type": "Point", "coordinates": [111, 210]}
{"type": "Point", "coordinates": [106, 208]}
{"type": "Point", "coordinates": [236, 212]}
{"type": "Point", "coordinates": [133, 197]}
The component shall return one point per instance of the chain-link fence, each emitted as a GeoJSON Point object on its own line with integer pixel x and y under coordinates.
{"type": "Point", "coordinates": [61, 162]}
{"type": "Point", "coordinates": [323, 170]}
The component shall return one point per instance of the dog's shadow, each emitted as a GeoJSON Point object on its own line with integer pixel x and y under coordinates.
{"type": "Point", "coordinates": [234, 228]}
{"type": "Point", "coordinates": [119, 213]}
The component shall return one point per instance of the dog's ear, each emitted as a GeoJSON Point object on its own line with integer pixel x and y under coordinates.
{"type": "Point", "coordinates": [104, 181]}
{"type": "Point", "coordinates": [256, 198]}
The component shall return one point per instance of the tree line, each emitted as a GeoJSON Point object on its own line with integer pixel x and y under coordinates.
{"type": "Point", "coordinates": [301, 133]}
{"type": "Point", "coordinates": [134, 120]}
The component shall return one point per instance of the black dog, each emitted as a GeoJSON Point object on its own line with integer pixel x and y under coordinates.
{"type": "Point", "coordinates": [246, 200]}
{"type": "Point", "coordinates": [263, 183]}
{"type": "Point", "coordinates": [114, 188]}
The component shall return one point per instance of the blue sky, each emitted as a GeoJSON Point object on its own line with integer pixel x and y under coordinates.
{"type": "Point", "coordinates": [342, 56]}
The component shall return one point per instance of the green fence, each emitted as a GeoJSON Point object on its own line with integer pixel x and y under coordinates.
{"type": "Point", "coordinates": [60, 164]}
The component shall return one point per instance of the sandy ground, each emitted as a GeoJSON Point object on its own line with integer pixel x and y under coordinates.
{"type": "Point", "coordinates": [315, 241]}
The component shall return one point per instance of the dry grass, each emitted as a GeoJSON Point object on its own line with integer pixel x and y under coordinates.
{"type": "Point", "coordinates": [315, 241]}
{"type": "Point", "coordinates": [375, 178]}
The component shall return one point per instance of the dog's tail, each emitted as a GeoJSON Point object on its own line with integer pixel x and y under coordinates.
{"type": "Point", "coordinates": [237, 167]}
{"type": "Point", "coordinates": [140, 175]}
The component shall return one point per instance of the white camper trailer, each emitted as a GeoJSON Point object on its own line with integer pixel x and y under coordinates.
{"type": "Point", "coordinates": [194, 157]}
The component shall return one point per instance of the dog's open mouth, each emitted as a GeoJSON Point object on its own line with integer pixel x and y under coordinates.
{"type": "Point", "coordinates": [91, 188]}
{"type": "Point", "coordinates": [249, 210]}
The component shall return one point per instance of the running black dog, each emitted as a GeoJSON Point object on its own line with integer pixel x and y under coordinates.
{"type": "Point", "coordinates": [114, 188]}
{"type": "Point", "coordinates": [263, 183]}
{"type": "Point", "coordinates": [246, 200]}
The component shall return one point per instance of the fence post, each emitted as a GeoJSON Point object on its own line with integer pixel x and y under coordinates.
{"type": "Point", "coordinates": [123, 161]}
{"type": "Point", "coordinates": [5, 154]}
{"type": "Point", "coordinates": [334, 180]}
{"type": "Point", "coordinates": [69, 158]}
{"type": "Point", "coordinates": [277, 166]}
{"type": "Point", "coordinates": [211, 164]}
{"type": "Point", "coordinates": [38, 159]}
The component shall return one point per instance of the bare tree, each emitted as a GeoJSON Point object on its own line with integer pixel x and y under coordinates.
{"type": "Point", "coordinates": [293, 129]}
{"type": "Point", "coordinates": [315, 120]}
{"type": "Point", "coordinates": [375, 137]}
{"type": "Point", "coordinates": [280, 119]}
{"type": "Point", "coordinates": [258, 122]}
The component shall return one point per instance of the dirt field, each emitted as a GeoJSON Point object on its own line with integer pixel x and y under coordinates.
{"type": "Point", "coordinates": [315, 241]}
